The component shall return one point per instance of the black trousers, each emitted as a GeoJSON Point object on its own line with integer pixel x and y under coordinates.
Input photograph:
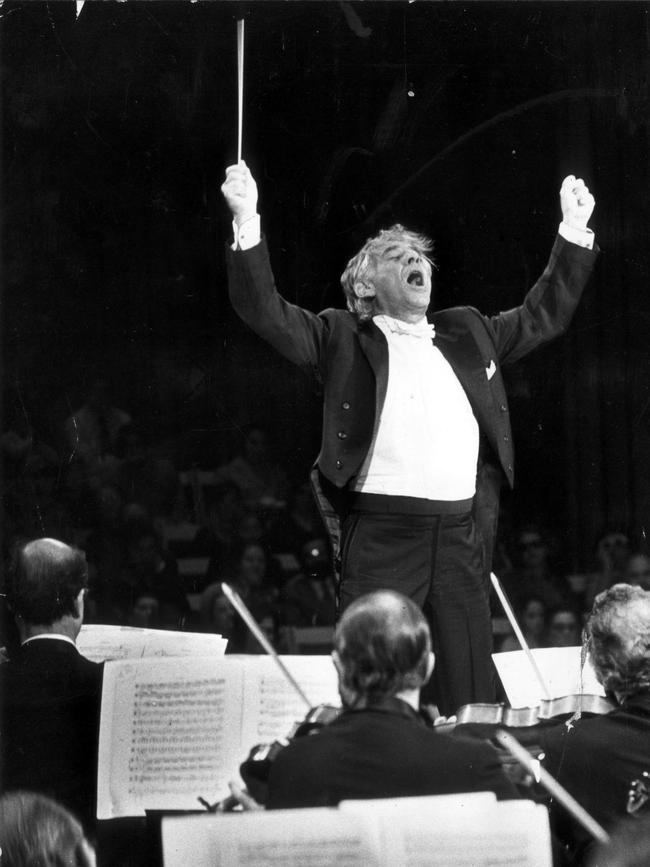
{"type": "Point", "coordinates": [437, 559]}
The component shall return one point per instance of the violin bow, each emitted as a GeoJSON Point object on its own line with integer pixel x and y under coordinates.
{"type": "Point", "coordinates": [240, 607]}
{"type": "Point", "coordinates": [520, 635]}
{"type": "Point", "coordinates": [542, 776]}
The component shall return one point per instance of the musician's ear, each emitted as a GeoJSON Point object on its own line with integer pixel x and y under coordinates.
{"type": "Point", "coordinates": [338, 665]}
{"type": "Point", "coordinates": [79, 604]}
{"type": "Point", "coordinates": [431, 661]}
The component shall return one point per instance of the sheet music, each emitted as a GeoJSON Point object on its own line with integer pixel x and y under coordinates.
{"type": "Point", "coordinates": [100, 642]}
{"type": "Point", "coordinates": [170, 731]}
{"type": "Point", "coordinates": [273, 706]}
{"type": "Point", "coordinates": [560, 668]}
{"type": "Point", "coordinates": [429, 804]}
{"type": "Point", "coordinates": [473, 832]}
{"type": "Point", "coordinates": [471, 840]}
{"type": "Point", "coordinates": [319, 837]}
{"type": "Point", "coordinates": [466, 830]}
{"type": "Point", "coordinates": [178, 728]}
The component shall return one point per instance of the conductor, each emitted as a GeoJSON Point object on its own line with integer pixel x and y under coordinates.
{"type": "Point", "coordinates": [416, 437]}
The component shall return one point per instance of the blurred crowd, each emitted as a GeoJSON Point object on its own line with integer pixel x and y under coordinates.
{"type": "Point", "coordinates": [160, 539]}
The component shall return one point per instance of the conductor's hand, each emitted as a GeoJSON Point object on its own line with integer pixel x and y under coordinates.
{"type": "Point", "coordinates": [576, 202]}
{"type": "Point", "coordinates": [240, 192]}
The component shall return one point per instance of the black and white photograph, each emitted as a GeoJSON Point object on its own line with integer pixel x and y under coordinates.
{"type": "Point", "coordinates": [325, 424]}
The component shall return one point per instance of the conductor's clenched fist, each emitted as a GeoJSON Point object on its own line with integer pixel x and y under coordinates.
{"type": "Point", "coordinates": [576, 202]}
{"type": "Point", "coordinates": [240, 192]}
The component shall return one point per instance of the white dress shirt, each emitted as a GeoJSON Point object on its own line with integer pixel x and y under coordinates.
{"type": "Point", "coordinates": [425, 442]}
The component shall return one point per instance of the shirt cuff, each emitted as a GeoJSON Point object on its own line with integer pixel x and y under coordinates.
{"type": "Point", "coordinates": [248, 235]}
{"type": "Point", "coordinates": [581, 237]}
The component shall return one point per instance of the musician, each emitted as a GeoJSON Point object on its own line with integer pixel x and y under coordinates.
{"type": "Point", "coordinates": [598, 759]}
{"type": "Point", "coordinates": [36, 831]}
{"type": "Point", "coordinates": [416, 439]}
{"type": "Point", "coordinates": [51, 694]}
{"type": "Point", "coordinates": [380, 746]}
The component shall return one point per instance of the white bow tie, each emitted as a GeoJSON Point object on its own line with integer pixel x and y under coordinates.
{"type": "Point", "coordinates": [420, 329]}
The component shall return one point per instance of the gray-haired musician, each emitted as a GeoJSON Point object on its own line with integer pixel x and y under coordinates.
{"type": "Point", "coordinates": [604, 761]}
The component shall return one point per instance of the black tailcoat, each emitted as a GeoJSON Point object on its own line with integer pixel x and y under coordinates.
{"type": "Point", "coordinates": [350, 361]}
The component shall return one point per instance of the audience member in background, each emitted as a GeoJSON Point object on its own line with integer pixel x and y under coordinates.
{"type": "Point", "coordinates": [151, 570]}
{"type": "Point", "coordinates": [248, 574]}
{"type": "Point", "coordinates": [36, 831]}
{"type": "Point", "coordinates": [31, 470]}
{"type": "Point", "coordinates": [262, 481]}
{"type": "Point", "coordinates": [533, 573]}
{"type": "Point", "coordinates": [224, 510]}
{"type": "Point", "coordinates": [611, 553]}
{"type": "Point", "coordinates": [250, 530]}
{"type": "Point", "coordinates": [36, 503]}
{"type": "Point", "coordinates": [531, 617]}
{"type": "Point", "coordinates": [637, 569]}
{"type": "Point", "coordinates": [380, 746]}
{"type": "Point", "coordinates": [51, 694]}
{"type": "Point", "coordinates": [143, 478]}
{"type": "Point", "coordinates": [601, 758]}
{"type": "Point", "coordinates": [564, 627]}
{"type": "Point", "coordinates": [106, 555]}
{"type": "Point", "coordinates": [299, 524]}
{"type": "Point", "coordinates": [18, 434]}
{"type": "Point", "coordinates": [309, 598]}
{"type": "Point", "coordinates": [219, 617]}
{"type": "Point", "coordinates": [145, 612]}
{"type": "Point", "coordinates": [91, 434]}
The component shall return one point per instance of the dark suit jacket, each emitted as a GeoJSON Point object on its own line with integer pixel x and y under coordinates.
{"type": "Point", "coordinates": [382, 752]}
{"type": "Point", "coordinates": [51, 698]}
{"type": "Point", "coordinates": [350, 361]}
{"type": "Point", "coordinates": [596, 760]}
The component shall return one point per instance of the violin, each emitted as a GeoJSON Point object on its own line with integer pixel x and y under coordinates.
{"type": "Point", "coordinates": [548, 711]}
{"type": "Point", "coordinates": [256, 768]}
{"type": "Point", "coordinates": [525, 724]}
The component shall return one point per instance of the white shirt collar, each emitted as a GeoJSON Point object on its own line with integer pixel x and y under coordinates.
{"type": "Point", "coordinates": [421, 328]}
{"type": "Point", "coordinates": [54, 635]}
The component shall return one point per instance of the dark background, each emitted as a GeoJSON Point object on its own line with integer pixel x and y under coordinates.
{"type": "Point", "coordinates": [458, 119]}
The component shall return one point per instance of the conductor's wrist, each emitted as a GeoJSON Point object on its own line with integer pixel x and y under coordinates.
{"type": "Point", "coordinates": [583, 236]}
{"type": "Point", "coordinates": [244, 217]}
{"type": "Point", "coordinates": [246, 231]}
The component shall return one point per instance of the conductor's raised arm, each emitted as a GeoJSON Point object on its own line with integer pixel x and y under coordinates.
{"type": "Point", "coordinates": [296, 333]}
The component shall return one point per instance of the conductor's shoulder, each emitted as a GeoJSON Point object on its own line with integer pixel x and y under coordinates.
{"type": "Point", "coordinates": [337, 318]}
{"type": "Point", "coordinates": [456, 317]}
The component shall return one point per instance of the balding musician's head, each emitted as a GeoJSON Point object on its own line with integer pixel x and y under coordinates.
{"type": "Point", "coordinates": [382, 649]}
{"type": "Point", "coordinates": [47, 584]}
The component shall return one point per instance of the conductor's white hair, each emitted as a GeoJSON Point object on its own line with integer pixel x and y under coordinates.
{"type": "Point", "coordinates": [356, 271]}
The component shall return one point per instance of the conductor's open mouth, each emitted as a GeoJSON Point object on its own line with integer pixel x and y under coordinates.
{"type": "Point", "coordinates": [415, 278]}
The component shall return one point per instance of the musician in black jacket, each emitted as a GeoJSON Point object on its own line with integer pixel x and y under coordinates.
{"type": "Point", "coordinates": [51, 694]}
{"type": "Point", "coordinates": [603, 760]}
{"type": "Point", "coordinates": [380, 746]}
